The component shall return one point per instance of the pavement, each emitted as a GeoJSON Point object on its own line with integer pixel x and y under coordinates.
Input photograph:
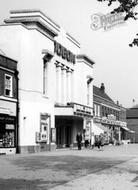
{"type": "Point", "coordinates": [114, 168]}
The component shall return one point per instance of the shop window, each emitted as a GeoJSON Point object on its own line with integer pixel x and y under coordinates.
{"type": "Point", "coordinates": [8, 85]}
{"type": "Point", "coordinates": [7, 136]}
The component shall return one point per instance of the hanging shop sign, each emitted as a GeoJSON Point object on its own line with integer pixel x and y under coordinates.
{"type": "Point", "coordinates": [63, 52]}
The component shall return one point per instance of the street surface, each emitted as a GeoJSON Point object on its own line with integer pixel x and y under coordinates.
{"type": "Point", "coordinates": [115, 168]}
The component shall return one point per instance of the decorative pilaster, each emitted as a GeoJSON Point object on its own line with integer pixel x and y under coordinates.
{"type": "Point", "coordinates": [63, 85]}
{"type": "Point", "coordinates": [69, 71]}
{"type": "Point", "coordinates": [58, 82]}
{"type": "Point", "coordinates": [72, 86]}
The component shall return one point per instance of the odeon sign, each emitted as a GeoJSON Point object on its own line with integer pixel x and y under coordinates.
{"type": "Point", "coordinates": [63, 52]}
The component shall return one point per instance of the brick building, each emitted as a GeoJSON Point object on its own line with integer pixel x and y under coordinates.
{"type": "Point", "coordinates": [8, 105]}
{"type": "Point", "coordinates": [108, 116]}
{"type": "Point", "coordinates": [132, 121]}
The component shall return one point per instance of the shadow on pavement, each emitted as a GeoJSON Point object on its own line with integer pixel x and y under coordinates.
{"type": "Point", "coordinates": [22, 184]}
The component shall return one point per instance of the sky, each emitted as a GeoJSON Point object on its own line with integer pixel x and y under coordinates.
{"type": "Point", "coordinates": [116, 64]}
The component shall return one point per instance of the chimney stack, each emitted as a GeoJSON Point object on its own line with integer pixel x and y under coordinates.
{"type": "Point", "coordinates": [102, 88]}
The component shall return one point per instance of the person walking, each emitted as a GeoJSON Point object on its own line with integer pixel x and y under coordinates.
{"type": "Point", "coordinates": [79, 139]}
{"type": "Point", "coordinates": [100, 142]}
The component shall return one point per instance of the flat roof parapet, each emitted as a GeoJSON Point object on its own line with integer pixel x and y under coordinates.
{"type": "Point", "coordinates": [85, 58]}
{"type": "Point", "coordinates": [36, 19]}
{"type": "Point", "coordinates": [73, 39]}
{"type": "Point", "coordinates": [30, 11]}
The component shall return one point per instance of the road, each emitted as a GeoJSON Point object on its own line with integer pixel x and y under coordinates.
{"type": "Point", "coordinates": [115, 168]}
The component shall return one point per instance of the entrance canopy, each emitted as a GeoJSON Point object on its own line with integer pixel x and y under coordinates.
{"type": "Point", "coordinates": [74, 109]}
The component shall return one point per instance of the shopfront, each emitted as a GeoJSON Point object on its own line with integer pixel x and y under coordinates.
{"type": "Point", "coordinates": [8, 128]}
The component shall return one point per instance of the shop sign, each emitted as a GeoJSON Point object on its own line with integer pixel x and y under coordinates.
{"type": "Point", "coordinates": [111, 117]}
{"type": "Point", "coordinates": [9, 127]}
{"type": "Point", "coordinates": [4, 110]}
{"type": "Point", "coordinates": [7, 119]}
{"type": "Point", "coordinates": [7, 107]}
{"type": "Point", "coordinates": [63, 52]}
{"type": "Point", "coordinates": [97, 120]}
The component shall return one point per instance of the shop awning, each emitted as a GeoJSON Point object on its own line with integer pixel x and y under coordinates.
{"type": "Point", "coordinates": [127, 129]}
{"type": "Point", "coordinates": [131, 131]}
{"type": "Point", "coordinates": [97, 129]}
{"type": "Point", "coordinates": [105, 129]}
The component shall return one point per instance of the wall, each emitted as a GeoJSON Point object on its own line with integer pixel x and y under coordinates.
{"type": "Point", "coordinates": [82, 70]}
{"type": "Point", "coordinates": [26, 46]}
{"type": "Point", "coordinates": [132, 124]}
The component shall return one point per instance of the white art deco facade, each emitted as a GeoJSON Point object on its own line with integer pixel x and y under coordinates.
{"type": "Point", "coordinates": [55, 81]}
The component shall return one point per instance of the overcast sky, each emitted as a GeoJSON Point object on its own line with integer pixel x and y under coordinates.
{"type": "Point", "coordinates": [116, 64]}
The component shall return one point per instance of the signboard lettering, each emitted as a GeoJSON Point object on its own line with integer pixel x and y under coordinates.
{"type": "Point", "coordinates": [63, 52]}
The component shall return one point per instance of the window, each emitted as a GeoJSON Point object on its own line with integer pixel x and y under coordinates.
{"type": "Point", "coordinates": [94, 109]}
{"type": "Point", "coordinates": [45, 79]}
{"type": "Point", "coordinates": [88, 93]}
{"type": "Point", "coordinates": [7, 135]}
{"type": "Point", "coordinates": [8, 85]}
{"type": "Point", "coordinates": [103, 111]}
{"type": "Point", "coordinates": [98, 109]}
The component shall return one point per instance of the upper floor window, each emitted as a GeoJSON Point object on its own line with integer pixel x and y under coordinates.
{"type": "Point", "coordinates": [8, 85]}
{"type": "Point", "coordinates": [88, 93]}
{"type": "Point", "coordinates": [45, 79]}
{"type": "Point", "coordinates": [96, 110]}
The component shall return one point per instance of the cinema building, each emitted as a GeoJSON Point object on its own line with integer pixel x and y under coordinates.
{"type": "Point", "coordinates": [55, 81]}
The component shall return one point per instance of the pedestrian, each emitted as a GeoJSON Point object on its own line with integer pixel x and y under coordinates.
{"type": "Point", "coordinates": [79, 140]}
{"type": "Point", "coordinates": [100, 142]}
{"type": "Point", "coordinates": [92, 141]}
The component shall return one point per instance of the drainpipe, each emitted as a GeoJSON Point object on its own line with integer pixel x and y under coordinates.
{"type": "Point", "coordinates": [17, 113]}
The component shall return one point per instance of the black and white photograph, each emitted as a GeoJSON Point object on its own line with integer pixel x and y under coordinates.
{"type": "Point", "coordinates": [68, 95]}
